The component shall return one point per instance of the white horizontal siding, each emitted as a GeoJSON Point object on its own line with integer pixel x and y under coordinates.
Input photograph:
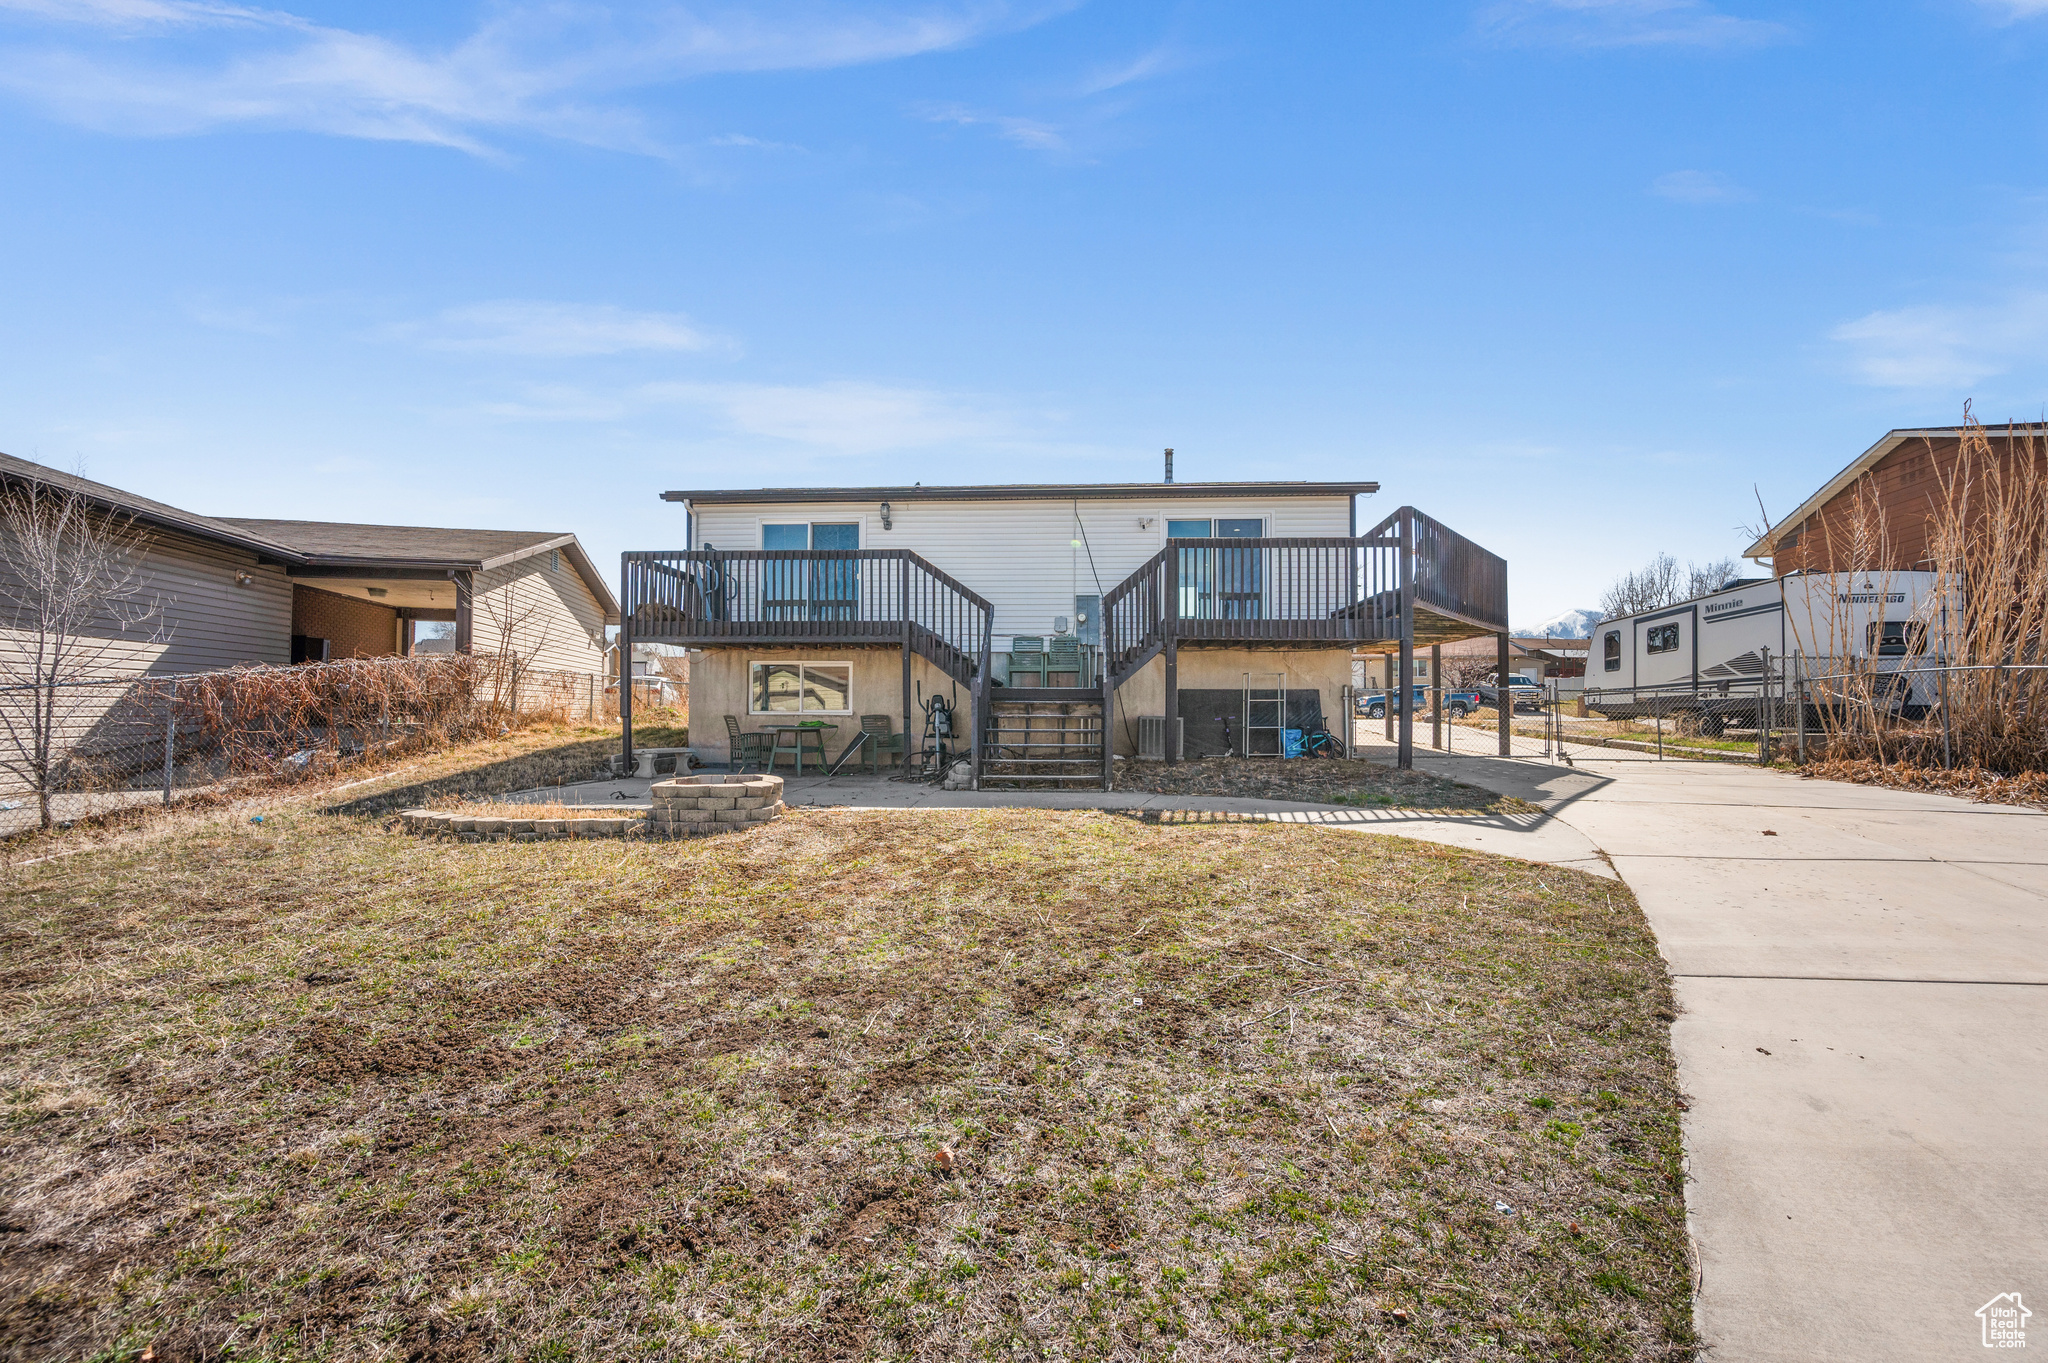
{"type": "Point", "coordinates": [554, 622]}
{"type": "Point", "coordinates": [1020, 554]}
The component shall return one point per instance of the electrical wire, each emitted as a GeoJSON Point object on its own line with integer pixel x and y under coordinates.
{"type": "Point", "coordinates": [1081, 526]}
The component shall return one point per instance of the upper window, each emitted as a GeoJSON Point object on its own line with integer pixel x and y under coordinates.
{"type": "Point", "coordinates": [1661, 638]}
{"type": "Point", "coordinates": [823, 535]}
{"type": "Point", "coordinates": [1224, 527]}
{"type": "Point", "coordinates": [1610, 649]}
{"type": "Point", "coordinates": [801, 689]}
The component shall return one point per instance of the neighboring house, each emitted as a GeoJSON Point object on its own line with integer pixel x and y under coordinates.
{"type": "Point", "coordinates": [266, 591]}
{"type": "Point", "coordinates": [1080, 603]}
{"type": "Point", "coordinates": [1900, 479]}
{"type": "Point", "coordinates": [1468, 660]}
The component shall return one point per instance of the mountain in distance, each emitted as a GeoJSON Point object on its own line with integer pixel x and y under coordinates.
{"type": "Point", "coordinates": [1574, 624]}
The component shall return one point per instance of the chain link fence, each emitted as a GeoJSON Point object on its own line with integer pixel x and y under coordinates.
{"type": "Point", "coordinates": [1992, 716]}
{"type": "Point", "coordinates": [79, 748]}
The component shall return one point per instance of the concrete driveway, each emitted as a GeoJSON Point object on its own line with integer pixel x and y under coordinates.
{"type": "Point", "coordinates": [1863, 979]}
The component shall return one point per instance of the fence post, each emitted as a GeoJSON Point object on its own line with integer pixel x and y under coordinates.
{"type": "Point", "coordinates": [170, 736]}
{"type": "Point", "coordinates": [1436, 679]}
{"type": "Point", "coordinates": [1763, 712]}
{"type": "Point", "coordinates": [1799, 700]}
{"type": "Point", "coordinates": [1504, 704]}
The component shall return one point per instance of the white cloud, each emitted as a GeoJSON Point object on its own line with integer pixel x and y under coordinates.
{"type": "Point", "coordinates": [1029, 133]}
{"type": "Point", "coordinates": [1942, 347]}
{"type": "Point", "coordinates": [553, 69]}
{"type": "Point", "coordinates": [561, 330]}
{"type": "Point", "coordinates": [843, 416]}
{"type": "Point", "coordinates": [1699, 187]}
{"type": "Point", "coordinates": [2014, 10]}
{"type": "Point", "coordinates": [837, 417]}
{"type": "Point", "coordinates": [1622, 23]}
{"type": "Point", "coordinates": [1160, 61]}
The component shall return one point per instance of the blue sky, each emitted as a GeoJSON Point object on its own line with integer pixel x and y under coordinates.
{"type": "Point", "coordinates": [1570, 275]}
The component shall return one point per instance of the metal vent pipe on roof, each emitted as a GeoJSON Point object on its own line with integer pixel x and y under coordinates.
{"type": "Point", "coordinates": [1169, 464]}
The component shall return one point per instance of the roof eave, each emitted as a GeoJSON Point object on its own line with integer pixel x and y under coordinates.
{"type": "Point", "coordinates": [999, 492]}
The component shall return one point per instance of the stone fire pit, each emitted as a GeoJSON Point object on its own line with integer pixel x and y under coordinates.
{"type": "Point", "coordinates": [691, 806]}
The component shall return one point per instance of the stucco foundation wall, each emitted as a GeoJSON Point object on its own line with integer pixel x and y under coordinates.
{"type": "Point", "coordinates": [1326, 670]}
{"type": "Point", "coordinates": [718, 687]}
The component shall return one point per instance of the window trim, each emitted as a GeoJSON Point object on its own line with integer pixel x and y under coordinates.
{"type": "Point", "coordinates": [1610, 650]}
{"type": "Point", "coordinates": [859, 522]}
{"type": "Point", "coordinates": [800, 663]}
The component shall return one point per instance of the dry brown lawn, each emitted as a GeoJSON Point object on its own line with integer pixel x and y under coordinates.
{"type": "Point", "coordinates": [308, 1089]}
{"type": "Point", "coordinates": [1314, 781]}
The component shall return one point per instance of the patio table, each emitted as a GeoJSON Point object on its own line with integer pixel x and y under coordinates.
{"type": "Point", "coordinates": [796, 747]}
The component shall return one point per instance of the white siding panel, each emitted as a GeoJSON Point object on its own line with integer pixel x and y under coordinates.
{"type": "Point", "coordinates": [558, 626]}
{"type": "Point", "coordinates": [1021, 554]}
{"type": "Point", "coordinates": [208, 619]}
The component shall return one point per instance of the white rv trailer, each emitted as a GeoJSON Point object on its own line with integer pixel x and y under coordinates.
{"type": "Point", "coordinates": [1708, 657]}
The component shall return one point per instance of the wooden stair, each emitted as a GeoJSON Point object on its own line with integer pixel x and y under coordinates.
{"type": "Point", "coordinates": [1043, 744]}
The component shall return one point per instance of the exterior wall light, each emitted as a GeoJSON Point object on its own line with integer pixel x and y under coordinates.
{"type": "Point", "coordinates": [245, 579]}
{"type": "Point", "coordinates": [885, 516]}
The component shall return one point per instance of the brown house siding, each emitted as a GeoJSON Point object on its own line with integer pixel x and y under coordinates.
{"type": "Point", "coordinates": [1906, 487]}
{"type": "Point", "coordinates": [353, 629]}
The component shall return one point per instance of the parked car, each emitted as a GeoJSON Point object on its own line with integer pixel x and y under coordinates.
{"type": "Point", "coordinates": [1457, 704]}
{"type": "Point", "coordinates": [1523, 693]}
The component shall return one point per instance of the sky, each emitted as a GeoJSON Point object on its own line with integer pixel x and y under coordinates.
{"type": "Point", "coordinates": [1586, 280]}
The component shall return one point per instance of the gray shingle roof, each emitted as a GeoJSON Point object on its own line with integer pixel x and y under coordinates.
{"type": "Point", "coordinates": [326, 540]}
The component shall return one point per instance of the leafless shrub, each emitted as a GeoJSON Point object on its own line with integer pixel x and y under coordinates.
{"type": "Point", "coordinates": [77, 607]}
{"type": "Point", "coordinates": [1988, 612]}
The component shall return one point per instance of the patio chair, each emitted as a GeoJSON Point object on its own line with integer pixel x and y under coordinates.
{"type": "Point", "coordinates": [883, 742]}
{"type": "Point", "coordinates": [1063, 661]}
{"type": "Point", "coordinates": [1027, 659]}
{"type": "Point", "coordinates": [742, 747]}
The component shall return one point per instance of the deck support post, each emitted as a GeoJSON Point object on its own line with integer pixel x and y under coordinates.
{"type": "Point", "coordinates": [1502, 699]}
{"type": "Point", "coordinates": [903, 599]}
{"type": "Point", "coordinates": [1108, 684]}
{"type": "Point", "coordinates": [465, 612]}
{"type": "Point", "coordinates": [626, 669]}
{"type": "Point", "coordinates": [1404, 696]}
{"type": "Point", "coordinates": [1436, 688]}
{"type": "Point", "coordinates": [1170, 632]}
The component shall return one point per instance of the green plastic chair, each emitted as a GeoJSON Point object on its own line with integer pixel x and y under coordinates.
{"type": "Point", "coordinates": [883, 744]}
{"type": "Point", "coordinates": [1027, 659]}
{"type": "Point", "coordinates": [1063, 661]}
{"type": "Point", "coordinates": [742, 747]}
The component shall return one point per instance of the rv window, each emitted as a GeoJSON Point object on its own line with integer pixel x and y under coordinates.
{"type": "Point", "coordinates": [1610, 649]}
{"type": "Point", "coordinates": [1661, 639]}
{"type": "Point", "coordinates": [1897, 639]}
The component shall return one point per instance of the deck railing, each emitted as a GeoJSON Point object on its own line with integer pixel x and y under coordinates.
{"type": "Point", "coordinates": [713, 596]}
{"type": "Point", "coordinates": [1301, 590]}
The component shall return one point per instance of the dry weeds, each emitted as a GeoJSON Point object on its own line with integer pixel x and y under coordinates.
{"type": "Point", "coordinates": [307, 1090]}
{"type": "Point", "coordinates": [1310, 780]}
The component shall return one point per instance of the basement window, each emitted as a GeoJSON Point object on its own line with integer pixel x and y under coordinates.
{"type": "Point", "coordinates": [800, 688]}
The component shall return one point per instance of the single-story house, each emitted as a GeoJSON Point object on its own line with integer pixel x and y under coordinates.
{"type": "Point", "coordinates": [1467, 660]}
{"type": "Point", "coordinates": [1896, 485]}
{"type": "Point", "coordinates": [1088, 607]}
{"type": "Point", "coordinates": [236, 590]}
